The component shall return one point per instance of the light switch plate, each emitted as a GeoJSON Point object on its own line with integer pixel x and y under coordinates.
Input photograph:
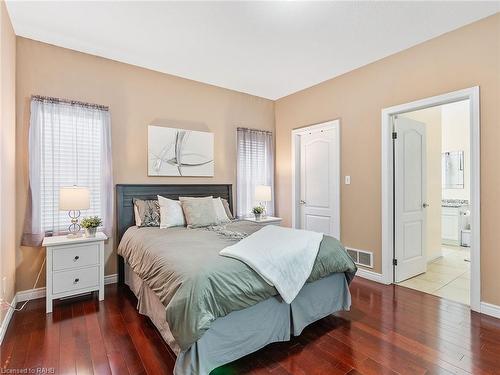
{"type": "Point", "coordinates": [347, 180]}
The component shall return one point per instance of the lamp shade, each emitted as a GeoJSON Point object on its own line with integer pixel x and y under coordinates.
{"type": "Point", "coordinates": [263, 193]}
{"type": "Point", "coordinates": [74, 198]}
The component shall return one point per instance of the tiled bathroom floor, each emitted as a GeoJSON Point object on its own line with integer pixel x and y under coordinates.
{"type": "Point", "coordinates": [447, 277]}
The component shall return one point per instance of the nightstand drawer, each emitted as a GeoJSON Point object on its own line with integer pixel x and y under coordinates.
{"type": "Point", "coordinates": [66, 281]}
{"type": "Point", "coordinates": [75, 256]}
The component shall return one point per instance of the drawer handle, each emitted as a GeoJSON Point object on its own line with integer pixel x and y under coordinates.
{"type": "Point", "coordinates": [76, 258]}
{"type": "Point", "coordinates": [76, 281]}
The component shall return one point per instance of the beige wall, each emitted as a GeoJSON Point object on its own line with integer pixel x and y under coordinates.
{"type": "Point", "coordinates": [456, 137]}
{"type": "Point", "coordinates": [7, 156]}
{"type": "Point", "coordinates": [462, 58]}
{"type": "Point", "coordinates": [431, 117]}
{"type": "Point", "coordinates": [136, 97]}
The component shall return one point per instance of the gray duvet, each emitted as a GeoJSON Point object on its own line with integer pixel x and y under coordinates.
{"type": "Point", "coordinates": [196, 285]}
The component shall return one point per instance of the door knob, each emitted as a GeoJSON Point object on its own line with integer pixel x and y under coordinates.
{"type": "Point", "coordinates": [302, 202]}
{"type": "Point", "coordinates": [425, 205]}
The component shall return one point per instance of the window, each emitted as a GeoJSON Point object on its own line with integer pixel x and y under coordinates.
{"type": "Point", "coordinates": [255, 167]}
{"type": "Point", "coordinates": [69, 144]}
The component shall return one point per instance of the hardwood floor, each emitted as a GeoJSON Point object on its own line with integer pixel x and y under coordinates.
{"type": "Point", "coordinates": [389, 330]}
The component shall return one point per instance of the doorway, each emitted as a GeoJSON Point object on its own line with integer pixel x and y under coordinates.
{"type": "Point", "coordinates": [316, 178]}
{"type": "Point", "coordinates": [433, 200]}
{"type": "Point", "coordinates": [417, 170]}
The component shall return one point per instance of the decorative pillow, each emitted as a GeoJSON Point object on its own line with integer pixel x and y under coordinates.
{"type": "Point", "coordinates": [171, 214]}
{"type": "Point", "coordinates": [220, 212]}
{"type": "Point", "coordinates": [147, 213]}
{"type": "Point", "coordinates": [229, 214]}
{"type": "Point", "coordinates": [199, 212]}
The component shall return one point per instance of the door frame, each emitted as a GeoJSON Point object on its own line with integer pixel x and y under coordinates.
{"type": "Point", "coordinates": [472, 94]}
{"type": "Point", "coordinates": [296, 134]}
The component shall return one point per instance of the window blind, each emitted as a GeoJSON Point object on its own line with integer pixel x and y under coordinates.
{"type": "Point", "coordinates": [69, 144]}
{"type": "Point", "coordinates": [71, 155]}
{"type": "Point", "coordinates": [255, 166]}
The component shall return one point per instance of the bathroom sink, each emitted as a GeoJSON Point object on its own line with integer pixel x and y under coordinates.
{"type": "Point", "coordinates": [454, 203]}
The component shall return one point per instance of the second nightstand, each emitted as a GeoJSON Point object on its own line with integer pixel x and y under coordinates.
{"type": "Point", "coordinates": [74, 266]}
{"type": "Point", "coordinates": [268, 220]}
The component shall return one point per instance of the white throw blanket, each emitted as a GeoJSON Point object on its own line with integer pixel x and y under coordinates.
{"type": "Point", "coordinates": [283, 257]}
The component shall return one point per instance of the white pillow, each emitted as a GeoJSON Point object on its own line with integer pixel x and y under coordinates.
{"type": "Point", "coordinates": [171, 214]}
{"type": "Point", "coordinates": [220, 211]}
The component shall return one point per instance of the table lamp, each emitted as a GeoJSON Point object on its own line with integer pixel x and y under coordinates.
{"type": "Point", "coordinates": [263, 194]}
{"type": "Point", "coordinates": [73, 199]}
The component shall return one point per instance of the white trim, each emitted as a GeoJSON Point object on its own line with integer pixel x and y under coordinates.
{"type": "Point", "coordinates": [370, 275]}
{"type": "Point", "coordinates": [490, 309]}
{"type": "Point", "coordinates": [475, 192]}
{"type": "Point", "coordinates": [30, 294]}
{"type": "Point", "coordinates": [111, 279]}
{"type": "Point", "coordinates": [296, 133]}
{"type": "Point", "coordinates": [7, 318]}
{"type": "Point", "coordinates": [472, 94]}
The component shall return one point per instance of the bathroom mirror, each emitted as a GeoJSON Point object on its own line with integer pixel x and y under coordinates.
{"type": "Point", "coordinates": [452, 170]}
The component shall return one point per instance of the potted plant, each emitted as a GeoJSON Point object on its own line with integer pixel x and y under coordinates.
{"type": "Point", "coordinates": [90, 225]}
{"type": "Point", "coordinates": [258, 211]}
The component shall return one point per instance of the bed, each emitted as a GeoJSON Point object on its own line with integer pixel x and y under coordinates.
{"type": "Point", "coordinates": [250, 313]}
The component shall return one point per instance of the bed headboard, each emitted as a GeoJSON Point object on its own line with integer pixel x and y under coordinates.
{"type": "Point", "coordinates": [126, 193]}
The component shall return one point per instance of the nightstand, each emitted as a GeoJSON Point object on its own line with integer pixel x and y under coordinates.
{"type": "Point", "coordinates": [268, 220]}
{"type": "Point", "coordinates": [74, 266]}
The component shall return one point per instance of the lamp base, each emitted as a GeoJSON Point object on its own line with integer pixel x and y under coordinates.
{"type": "Point", "coordinates": [263, 215]}
{"type": "Point", "coordinates": [74, 227]}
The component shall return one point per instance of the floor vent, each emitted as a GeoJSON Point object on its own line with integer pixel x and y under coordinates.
{"type": "Point", "coordinates": [361, 257]}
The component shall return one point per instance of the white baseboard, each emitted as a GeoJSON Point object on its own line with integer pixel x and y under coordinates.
{"type": "Point", "coordinates": [111, 279]}
{"type": "Point", "coordinates": [6, 319]}
{"type": "Point", "coordinates": [370, 275]}
{"type": "Point", "coordinates": [30, 294]}
{"type": "Point", "coordinates": [490, 309]}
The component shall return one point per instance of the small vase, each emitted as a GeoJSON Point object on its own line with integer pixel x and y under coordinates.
{"type": "Point", "coordinates": [257, 217]}
{"type": "Point", "coordinates": [90, 232]}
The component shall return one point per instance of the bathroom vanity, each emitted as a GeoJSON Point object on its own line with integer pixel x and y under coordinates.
{"type": "Point", "coordinates": [455, 216]}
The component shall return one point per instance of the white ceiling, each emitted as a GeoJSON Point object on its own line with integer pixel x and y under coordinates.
{"type": "Point", "coordinates": [269, 49]}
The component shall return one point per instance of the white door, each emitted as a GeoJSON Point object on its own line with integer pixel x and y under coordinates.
{"type": "Point", "coordinates": [319, 181]}
{"type": "Point", "coordinates": [410, 198]}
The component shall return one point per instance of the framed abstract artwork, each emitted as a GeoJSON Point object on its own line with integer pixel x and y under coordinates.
{"type": "Point", "coordinates": [180, 152]}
